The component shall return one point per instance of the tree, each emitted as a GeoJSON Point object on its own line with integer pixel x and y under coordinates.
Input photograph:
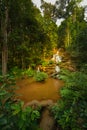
{"type": "Point", "coordinates": [69, 27]}
{"type": "Point", "coordinates": [49, 25]}
{"type": "Point", "coordinates": [65, 8]}
{"type": "Point", "coordinates": [48, 10]}
{"type": "Point", "coordinates": [79, 48]}
{"type": "Point", "coordinates": [20, 33]}
{"type": "Point", "coordinates": [4, 24]}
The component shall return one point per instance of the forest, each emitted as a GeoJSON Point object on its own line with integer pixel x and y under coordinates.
{"type": "Point", "coordinates": [43, 66]}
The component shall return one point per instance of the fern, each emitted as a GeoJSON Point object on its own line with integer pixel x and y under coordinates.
{"type": "Point", "coordinates": [71, 111]}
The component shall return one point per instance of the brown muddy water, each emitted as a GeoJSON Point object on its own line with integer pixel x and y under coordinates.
{"type": "Point", "coordinates": [30, 90]}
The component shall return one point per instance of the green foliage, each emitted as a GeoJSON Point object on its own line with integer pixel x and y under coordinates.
{"type": "Point", "coordinates": [19, 73]}
{"type": "Point", "coordinates": [29, 72]}
{"type": "Point", "coordinates": [26, 35]}
{"type": "Point", "coordinates": [13, 115]}
{"type": "Point", "coordinates": [26, 118]}
{"type": "Point", "coordinates": [71, 110]}
{"type": "Point", "coordinates": [51, 62]}
{"type": "Point", "coordinates": [79, 48]}
{"type": "Point", "coordinates": [84, 68]}
{"type": "Point", "coordinates": [16, 72]}
{"type": "Point", "coordinates": [72, 33]}
{"type": "Point", "coordinates": [44, 63]}
{"type": "Point", "coordinates": [6, 99]}
{"type": "Point", "coordinates": [65, 8]}
{"type": "Point", "coordinates": [40, 76]}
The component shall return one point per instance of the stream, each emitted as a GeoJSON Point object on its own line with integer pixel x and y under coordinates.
{"type": "Point", "coordinates": [47, 121]}
{"type": "Point", "coordinates": [30, 90]}
{"type": "Point", "coordinates": [44, 94]}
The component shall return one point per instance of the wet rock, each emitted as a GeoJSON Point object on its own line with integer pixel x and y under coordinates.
{"type": "Point", "coordinates": [35, 104]}
{"type": "Point", "coordinates": [45, 103]}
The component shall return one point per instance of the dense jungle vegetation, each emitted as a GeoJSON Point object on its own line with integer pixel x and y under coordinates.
{"type": "Point", "coordinates": [27, 39]}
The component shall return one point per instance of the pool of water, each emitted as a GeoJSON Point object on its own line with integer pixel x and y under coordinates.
{"type": "Point", "coordinates": [31, 90]}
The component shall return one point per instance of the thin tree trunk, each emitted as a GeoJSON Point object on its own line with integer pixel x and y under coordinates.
{"type": "Point", "coordinates": [4, 22]}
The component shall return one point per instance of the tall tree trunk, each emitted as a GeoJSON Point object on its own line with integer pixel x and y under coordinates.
{"type": "Point", "coordinates": [4, 22]}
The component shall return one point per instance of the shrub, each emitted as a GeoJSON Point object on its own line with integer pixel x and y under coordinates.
{"type": "Point", "coordinates": [29, 72]}
{"type": "Point", "coordinates": [12, 114]}
{"type": "Point", "coordinates": [16, 72]}
{"type": "Point", "coordinates": [44, 63]}
{"type": "Point", "coordinates": [25, 118]}
{"type": "Point", "coordinates": [40, 76]}
{"type": "Point", "coordinates": [71, 110]}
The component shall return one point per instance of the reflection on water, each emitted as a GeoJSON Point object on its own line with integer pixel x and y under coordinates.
{"type": "Point", "coordinates": [32, 90]}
